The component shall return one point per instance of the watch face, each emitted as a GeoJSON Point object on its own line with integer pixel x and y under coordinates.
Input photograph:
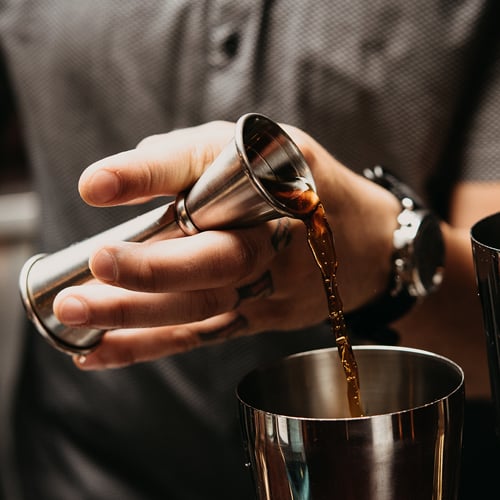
{"type": "Point", "coordinates": [428, 254]}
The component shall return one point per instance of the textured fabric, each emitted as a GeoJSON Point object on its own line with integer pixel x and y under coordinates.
{"type": "Point", "coordinates": [392, 81]}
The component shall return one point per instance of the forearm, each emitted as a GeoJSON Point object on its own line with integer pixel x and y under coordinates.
{"type": "Point", "coordinates": [449, 321]}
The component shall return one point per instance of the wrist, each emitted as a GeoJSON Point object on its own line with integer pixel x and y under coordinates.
{"type": "Point", "coordinates": [364, 218]}
{"type": "Point", "coordinates": [417, 260]}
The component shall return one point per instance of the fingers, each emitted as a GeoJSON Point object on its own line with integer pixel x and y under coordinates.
{"type": "Point", "coordinates": [182, 282]}
{"type": "Point", "coordinates": [209, 259]}
{"type": "Point", "coordinates": [121, 348]}
{"type": "Point", "coordinates": [160, 165]}
{"type": "Point", "coordinates": [165, 323]}
{"type": "Point", "coordinates": [105, 307]}
{"type": "Point", "coordinates": [125, 347]}
{"type": "Point", "coordinates": [193, 278]}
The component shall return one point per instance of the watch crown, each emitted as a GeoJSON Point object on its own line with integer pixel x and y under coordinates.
{"type": "Point", "coordinates": [409, 222]}
{"type": "Point", "coordinates": [407, 203]}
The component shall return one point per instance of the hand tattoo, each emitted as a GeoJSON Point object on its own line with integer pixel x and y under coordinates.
{"type": "Point", "coordinates": [281, 237]}
{"type": "Point", "coordinates": [226, 332]}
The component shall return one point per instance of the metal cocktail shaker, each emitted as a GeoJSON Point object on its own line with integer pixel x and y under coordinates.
{"type": "Point", "coordinates": [485, 238]}
{"type": "Point", "coordinates": [303, 444]}
{"type": "Point", "coordinates": [240, 188]}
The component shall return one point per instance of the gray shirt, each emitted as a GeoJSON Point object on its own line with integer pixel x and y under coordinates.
{"type": "Point", "coordinates": [412, 85]}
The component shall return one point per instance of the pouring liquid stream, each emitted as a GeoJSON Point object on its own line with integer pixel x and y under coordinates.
{"type": "Point", "coordinates": [320, 240]}
{"type": "Point", "coordinates": [308, 207]}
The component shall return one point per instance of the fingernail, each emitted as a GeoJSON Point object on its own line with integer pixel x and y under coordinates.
{"type": "Point", "coordinates": [107, 187]}
{"type": "Point", "coordinates": [73, 312]}
{"type": "Point", "coordinates": [103, 266]}
{"type": "Point", "coordinates": [86, 363]}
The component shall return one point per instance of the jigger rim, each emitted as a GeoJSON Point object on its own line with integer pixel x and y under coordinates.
{"type": "Point", "coordinates": [280, 136]}
{"type": "Point", "coordinates": [35, 319]}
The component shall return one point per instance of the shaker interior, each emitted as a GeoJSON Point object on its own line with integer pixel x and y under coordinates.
{"type": "Point", "coordinates": [487, 231]}
{"type": "Point", "coordinates": [312, 384]}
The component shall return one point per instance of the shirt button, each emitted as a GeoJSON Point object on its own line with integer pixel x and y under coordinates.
{"type": "Point", "coordinates": [225, 44]}
{"type": "Point", "coordinates": [231, 44]}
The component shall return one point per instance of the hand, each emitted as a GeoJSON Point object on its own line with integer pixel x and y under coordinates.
{"type": "Point", "coordinates": [163, 297]}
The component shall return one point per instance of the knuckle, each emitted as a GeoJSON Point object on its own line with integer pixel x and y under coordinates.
{"type": "Point", "coordinates": [127, 357]}
{"type": "Point", "coordinates": [150, 176]}
{"type": "Point", "coordinates": [244, 257]}
{"type": "Point", "coordinates": [188, 340]}
{"type": "Point", "coordinates": [148, 276]}
{"type": "Point", "coordinates": [119, 316]}
{"type": "Point", "coordinates": [149, 141]}
{"type": "Point", "coordinates": [200, 155]}
{"type": "Point", "coordinates": [143, 270]}
{"type": "Point", "coordinates": [205, 303]}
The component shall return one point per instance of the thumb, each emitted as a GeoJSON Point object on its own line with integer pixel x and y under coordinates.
{"type": "Point", "coordinates": [163, 164]}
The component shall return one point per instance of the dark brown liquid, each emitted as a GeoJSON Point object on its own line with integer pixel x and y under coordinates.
{"type": "Point", "coordinates": [307, 206]}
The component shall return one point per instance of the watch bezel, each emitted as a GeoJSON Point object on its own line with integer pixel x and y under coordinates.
{"type": "Point", "coordinates": [411, 243]}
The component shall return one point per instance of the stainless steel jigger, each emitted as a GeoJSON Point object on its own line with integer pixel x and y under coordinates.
{"type": "Point", "coordinates": [240, 188]}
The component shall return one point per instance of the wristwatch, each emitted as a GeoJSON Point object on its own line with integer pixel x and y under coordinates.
{"type": "Point", "coordinates": [417, 262]}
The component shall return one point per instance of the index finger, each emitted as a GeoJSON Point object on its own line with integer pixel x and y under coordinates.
{"type": "Point", "coordinates": [160, 165]}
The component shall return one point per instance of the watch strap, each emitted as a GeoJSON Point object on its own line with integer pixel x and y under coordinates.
{"type": "Point", "coordinates": [372, 321]}
{"type": "Point", "coordinates": [383, 177]}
